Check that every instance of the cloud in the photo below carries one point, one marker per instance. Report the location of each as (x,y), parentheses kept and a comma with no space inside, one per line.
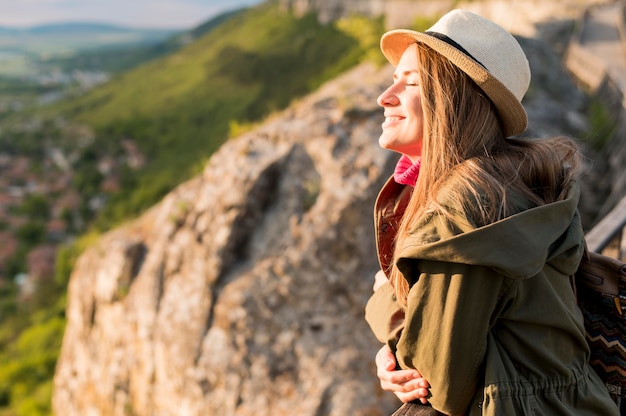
(136,13)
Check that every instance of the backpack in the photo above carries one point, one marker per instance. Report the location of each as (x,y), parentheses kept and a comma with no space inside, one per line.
(600,285)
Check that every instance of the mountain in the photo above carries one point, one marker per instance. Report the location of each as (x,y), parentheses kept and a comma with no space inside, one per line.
(121,57)
(29,53)
(127,143)
(181,108)
(83,28)
(51,38)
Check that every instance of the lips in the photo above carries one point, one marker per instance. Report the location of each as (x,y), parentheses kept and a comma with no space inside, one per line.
(392,119)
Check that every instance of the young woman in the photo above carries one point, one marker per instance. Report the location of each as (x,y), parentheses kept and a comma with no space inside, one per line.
(478,234)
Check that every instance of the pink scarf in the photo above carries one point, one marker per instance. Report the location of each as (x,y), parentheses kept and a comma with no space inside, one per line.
(406,171)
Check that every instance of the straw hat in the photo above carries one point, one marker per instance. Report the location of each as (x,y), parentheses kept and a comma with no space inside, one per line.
(483,50)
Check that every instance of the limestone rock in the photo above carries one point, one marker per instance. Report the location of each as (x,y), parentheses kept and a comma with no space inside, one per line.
(243,291)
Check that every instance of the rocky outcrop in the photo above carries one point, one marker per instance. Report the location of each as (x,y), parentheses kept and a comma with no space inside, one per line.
(519,17)
(243,291)
(595,57)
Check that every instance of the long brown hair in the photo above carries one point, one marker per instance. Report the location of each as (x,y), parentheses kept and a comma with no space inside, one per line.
(463,144)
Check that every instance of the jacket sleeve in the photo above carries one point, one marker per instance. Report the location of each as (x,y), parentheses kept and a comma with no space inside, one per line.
(450,310)
(384,315)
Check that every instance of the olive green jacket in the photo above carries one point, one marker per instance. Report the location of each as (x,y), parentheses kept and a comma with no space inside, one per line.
(491,319)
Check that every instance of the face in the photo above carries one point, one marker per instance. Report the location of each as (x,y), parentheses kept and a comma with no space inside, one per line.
(403,128)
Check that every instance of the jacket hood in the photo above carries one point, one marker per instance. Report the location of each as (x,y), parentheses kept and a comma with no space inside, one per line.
(518,246)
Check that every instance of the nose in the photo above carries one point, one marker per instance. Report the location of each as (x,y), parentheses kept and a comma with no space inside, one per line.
(388,98)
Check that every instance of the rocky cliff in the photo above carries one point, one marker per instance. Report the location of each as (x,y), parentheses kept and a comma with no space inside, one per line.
(519,16)
(242,292)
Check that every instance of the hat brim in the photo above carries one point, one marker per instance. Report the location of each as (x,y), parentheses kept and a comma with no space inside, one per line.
(512,114)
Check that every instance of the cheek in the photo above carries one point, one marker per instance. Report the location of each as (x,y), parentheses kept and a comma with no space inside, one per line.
(417,117)
(417,120)
(415,108)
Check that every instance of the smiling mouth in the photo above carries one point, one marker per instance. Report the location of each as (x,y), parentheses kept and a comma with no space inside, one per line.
(389,120)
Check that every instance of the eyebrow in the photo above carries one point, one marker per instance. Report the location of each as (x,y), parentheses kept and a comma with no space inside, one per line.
(405,73)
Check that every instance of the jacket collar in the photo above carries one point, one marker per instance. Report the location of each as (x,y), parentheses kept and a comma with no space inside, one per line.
(518,246)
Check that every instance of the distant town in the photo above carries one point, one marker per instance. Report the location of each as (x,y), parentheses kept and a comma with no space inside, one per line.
(44,202)
(52,180)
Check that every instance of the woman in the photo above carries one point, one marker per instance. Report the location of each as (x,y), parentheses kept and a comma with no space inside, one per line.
(478,234)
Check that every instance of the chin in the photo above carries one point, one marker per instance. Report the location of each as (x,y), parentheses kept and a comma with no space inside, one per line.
(385,143)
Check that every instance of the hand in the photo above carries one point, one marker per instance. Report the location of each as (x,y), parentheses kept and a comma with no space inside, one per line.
(407,385)
(379,279)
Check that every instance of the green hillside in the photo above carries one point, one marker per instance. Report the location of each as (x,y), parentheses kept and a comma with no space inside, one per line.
(118,58)
(178,110)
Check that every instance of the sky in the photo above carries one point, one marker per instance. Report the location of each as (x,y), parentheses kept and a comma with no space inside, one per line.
(170,14)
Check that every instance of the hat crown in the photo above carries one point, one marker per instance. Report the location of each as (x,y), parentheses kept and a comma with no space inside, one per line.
(489,44)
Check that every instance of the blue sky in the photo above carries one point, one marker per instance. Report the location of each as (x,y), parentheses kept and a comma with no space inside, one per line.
(137,13)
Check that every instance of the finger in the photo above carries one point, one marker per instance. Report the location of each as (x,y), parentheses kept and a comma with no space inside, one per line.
(385,359)
(419,394)
(400,377)
(379,279)
(404,386)
(384,352)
